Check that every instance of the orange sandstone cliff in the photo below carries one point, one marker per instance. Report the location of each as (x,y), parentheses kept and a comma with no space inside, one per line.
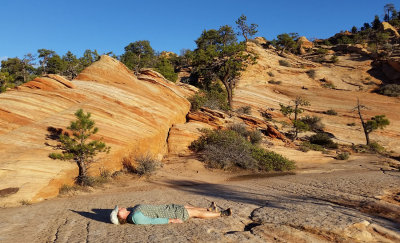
(133,115)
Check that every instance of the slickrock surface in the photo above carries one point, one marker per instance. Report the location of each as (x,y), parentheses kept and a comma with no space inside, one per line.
(325,206)
(133,116)
(351,78)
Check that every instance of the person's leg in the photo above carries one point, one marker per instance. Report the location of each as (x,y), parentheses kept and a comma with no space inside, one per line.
(196,208)
(201,213)
(213,207)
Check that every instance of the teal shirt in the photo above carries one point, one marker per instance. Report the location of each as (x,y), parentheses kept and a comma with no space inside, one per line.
(157,214)
(139,218)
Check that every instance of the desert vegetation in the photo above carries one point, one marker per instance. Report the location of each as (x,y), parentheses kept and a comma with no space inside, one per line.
(376,122)
(237,147)
(77,148)
(296,109)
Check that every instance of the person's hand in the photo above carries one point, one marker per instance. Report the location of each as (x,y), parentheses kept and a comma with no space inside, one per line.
(175,221)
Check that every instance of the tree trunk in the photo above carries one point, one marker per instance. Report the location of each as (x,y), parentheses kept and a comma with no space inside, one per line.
(296,130)
(82,173)
(229,89)
(362,122)
(245,36)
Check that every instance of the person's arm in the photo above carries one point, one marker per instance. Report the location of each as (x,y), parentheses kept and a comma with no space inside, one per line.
(140,218)
(175,221)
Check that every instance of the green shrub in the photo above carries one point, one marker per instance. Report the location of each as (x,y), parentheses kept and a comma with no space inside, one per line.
(212,99)
(329,85)
(275,82)
(313,122)
(215,97)
(197,101)
(352,124)
(244,110)
(330,112)
(307,146)
(147,165)
(323,139)
(284,63)
(239,128)
(227,149)
(271,74)
(343,156)
(255,137)
(373,147)
(322,51)
(311,73)
(334,59)
(165,67)
(300,126)
(376,147)
(392,90)
(224,149)
(269,160)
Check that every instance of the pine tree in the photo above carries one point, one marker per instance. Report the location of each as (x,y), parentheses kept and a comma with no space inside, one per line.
(244,29)
(77,148)
(371,125)
(220,57)
(376,24)
(298,125)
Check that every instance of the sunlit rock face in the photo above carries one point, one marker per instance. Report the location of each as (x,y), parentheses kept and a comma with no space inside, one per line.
(133,115)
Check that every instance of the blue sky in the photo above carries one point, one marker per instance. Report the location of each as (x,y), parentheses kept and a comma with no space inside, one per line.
(77,25)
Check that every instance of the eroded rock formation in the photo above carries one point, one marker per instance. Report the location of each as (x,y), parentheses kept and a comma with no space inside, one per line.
(133,115)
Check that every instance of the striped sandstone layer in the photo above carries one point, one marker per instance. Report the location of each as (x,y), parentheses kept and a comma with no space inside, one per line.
(133,115)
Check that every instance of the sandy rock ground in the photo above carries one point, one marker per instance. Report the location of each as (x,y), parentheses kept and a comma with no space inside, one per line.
(319,206)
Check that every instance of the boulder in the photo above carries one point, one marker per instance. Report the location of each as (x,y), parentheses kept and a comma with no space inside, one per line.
(267,129)
(304,43)
(213,118)
(182,135)
(389,28)
(394,63)
(390,71)
(260,40)
(349,48)
(167,54)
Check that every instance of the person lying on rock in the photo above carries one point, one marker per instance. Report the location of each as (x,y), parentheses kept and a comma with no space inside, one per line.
(164,214)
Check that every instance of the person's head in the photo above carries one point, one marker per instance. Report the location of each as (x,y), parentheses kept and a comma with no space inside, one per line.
(122,215)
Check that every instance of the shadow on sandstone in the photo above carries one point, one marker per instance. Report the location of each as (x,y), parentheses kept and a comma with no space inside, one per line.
(98,214)
(231,193)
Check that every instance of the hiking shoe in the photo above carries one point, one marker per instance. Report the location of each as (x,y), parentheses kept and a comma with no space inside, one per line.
(227,212)
(213,207)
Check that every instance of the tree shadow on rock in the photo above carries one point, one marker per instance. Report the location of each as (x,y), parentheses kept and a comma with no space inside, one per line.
(54,135)
(234,193)
(98,214)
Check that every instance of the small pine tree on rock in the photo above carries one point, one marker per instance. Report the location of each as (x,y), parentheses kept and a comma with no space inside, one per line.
(77,147)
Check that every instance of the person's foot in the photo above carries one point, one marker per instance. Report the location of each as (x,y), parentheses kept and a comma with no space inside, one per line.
(227,212)
(213,207)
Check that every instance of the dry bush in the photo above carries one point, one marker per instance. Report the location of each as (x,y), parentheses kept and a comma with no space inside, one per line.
(343,156)
(331,112)
(284,63)
(274,82)
(311,73)
(147,165)
(127,164)
(244,110)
